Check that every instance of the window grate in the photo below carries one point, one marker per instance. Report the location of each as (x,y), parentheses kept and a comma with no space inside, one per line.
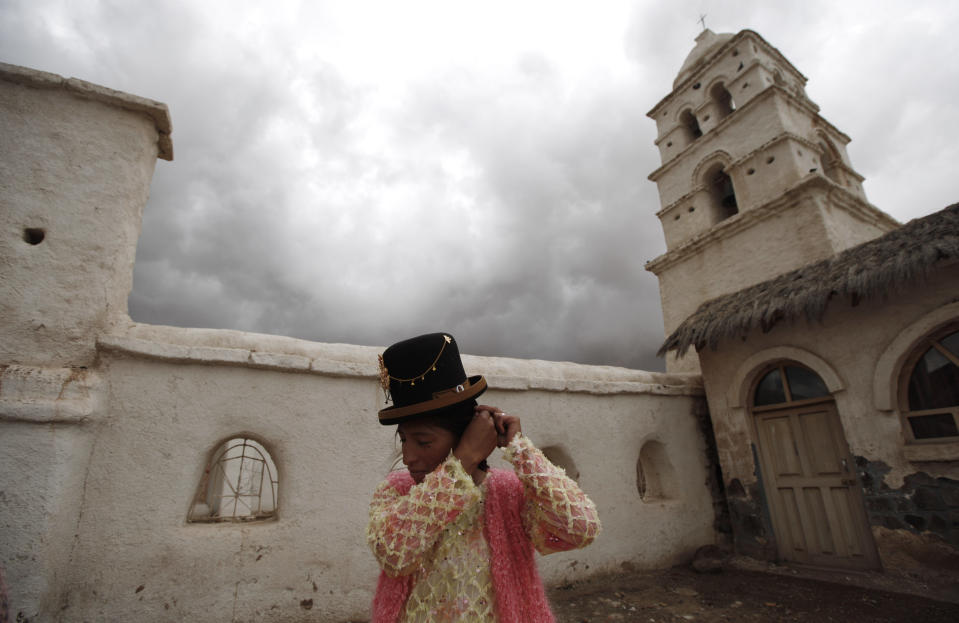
(239,484)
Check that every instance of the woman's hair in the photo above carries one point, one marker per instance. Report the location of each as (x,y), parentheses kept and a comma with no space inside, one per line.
(455,419)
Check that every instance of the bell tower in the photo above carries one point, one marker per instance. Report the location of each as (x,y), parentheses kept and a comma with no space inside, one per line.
(753,181)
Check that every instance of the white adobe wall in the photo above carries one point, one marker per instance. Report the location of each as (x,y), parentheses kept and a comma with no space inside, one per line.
(76,163)
(105,425)
(171,398)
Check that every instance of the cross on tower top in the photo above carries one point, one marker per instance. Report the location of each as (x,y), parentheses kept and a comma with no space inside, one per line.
(702,20)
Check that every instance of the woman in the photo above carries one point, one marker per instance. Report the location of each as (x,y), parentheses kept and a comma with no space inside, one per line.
(453,538)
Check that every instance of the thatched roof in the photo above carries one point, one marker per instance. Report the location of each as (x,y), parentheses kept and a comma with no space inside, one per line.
(863,272)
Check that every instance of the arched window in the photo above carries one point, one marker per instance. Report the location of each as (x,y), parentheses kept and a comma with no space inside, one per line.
(722,193)
(688,119)
(788,383)
(239,484)
(929,391)
(830,161)
(723,99)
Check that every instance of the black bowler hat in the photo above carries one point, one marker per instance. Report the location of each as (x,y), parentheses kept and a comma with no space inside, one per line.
(424,374)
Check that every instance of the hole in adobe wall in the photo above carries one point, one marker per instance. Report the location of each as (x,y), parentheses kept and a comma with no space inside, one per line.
(770,159)
(33,235)
(799,152)
(740,68)
(706,118)
(697,85)
(655,476)
(669,144)
(676,218)
(750,171)
(692,208)
(745,85)
(735,52)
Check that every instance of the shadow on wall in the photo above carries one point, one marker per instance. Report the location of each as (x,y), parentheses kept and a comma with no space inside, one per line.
(559,456)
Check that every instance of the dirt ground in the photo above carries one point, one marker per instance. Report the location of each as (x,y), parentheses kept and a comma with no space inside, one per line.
(754,591)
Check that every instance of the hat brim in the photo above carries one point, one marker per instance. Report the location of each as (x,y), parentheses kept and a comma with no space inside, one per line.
(395,415)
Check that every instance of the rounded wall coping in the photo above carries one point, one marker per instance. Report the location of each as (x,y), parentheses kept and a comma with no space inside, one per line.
(157,111)
(254,350)
(738,388)
(885,375)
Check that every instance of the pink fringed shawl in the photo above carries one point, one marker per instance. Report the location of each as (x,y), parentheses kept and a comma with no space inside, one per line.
(519,592)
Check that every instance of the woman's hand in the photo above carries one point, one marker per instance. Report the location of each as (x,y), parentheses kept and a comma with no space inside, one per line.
(477,442)
(507,426)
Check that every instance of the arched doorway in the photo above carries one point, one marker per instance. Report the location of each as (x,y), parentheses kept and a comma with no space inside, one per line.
(808,474)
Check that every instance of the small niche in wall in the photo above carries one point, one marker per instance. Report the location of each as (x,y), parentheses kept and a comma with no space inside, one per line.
(34,235)
(239,484)
(559,457)
(655,476)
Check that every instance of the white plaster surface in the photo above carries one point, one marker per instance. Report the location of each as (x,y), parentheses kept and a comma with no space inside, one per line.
(76,162)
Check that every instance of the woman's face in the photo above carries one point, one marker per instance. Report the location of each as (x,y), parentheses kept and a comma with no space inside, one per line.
(425,446)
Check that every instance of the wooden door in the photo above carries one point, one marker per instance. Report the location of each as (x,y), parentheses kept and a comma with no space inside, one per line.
(810,481)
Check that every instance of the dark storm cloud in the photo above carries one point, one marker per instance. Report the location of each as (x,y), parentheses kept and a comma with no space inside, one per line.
(503,199)
(563,229)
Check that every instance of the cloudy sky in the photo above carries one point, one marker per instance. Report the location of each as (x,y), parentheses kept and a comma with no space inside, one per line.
(362,171)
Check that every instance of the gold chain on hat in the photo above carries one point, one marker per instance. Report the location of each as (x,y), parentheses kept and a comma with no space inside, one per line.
(386,377)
